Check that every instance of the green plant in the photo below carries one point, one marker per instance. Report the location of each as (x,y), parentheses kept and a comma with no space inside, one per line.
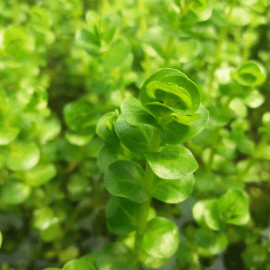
(64,64)
(150,130)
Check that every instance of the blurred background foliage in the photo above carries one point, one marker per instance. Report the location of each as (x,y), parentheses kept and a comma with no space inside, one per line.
(64,63)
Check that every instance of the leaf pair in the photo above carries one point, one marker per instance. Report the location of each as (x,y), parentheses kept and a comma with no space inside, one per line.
(173,166)
(231,208)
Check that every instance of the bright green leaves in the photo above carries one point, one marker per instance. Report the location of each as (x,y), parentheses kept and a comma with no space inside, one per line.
(80,114)
(231,208)
(135,138)
(251,73)
(105,128)
(8,135)
(181,128)
(78,264)
(81,118)
(160,242)
(117,54)
(46,221)
(122,215)
(43,218)
(22,156)
(168,91)
(40,174)
(172,162)
(14,191)
(115,256)
(210,243)
(135,114)
(125,178)
(173,191)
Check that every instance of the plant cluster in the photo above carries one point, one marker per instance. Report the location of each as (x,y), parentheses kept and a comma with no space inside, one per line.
(134,134)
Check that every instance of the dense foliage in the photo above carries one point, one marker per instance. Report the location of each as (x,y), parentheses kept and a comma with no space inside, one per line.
(134,134)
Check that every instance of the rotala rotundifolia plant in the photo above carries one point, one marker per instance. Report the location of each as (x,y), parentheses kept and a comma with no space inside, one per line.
(144,158)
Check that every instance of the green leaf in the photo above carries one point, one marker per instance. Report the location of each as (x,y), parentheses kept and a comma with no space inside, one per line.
(169,90)
(172,191)
(239,16)
(125,178)
(135,114)
(22,156)
(177,133)
(40,174)
(8,135)
(254,99)
(233,207)
(211,216)
(80,114)
(251,73)
(80,138)
(43,218)
(49,130)
(105,128)
(107,155)
(114,256)
(51,233)
(216,117)
(122,215)
(70,152)
(255,256)
(110,25)
(172,162)
(198,211)
(78,264)
(135,138)
(186,254)
(14,191)
(89,41)
(77,184)
(209,242)
(160,240)
(117,54)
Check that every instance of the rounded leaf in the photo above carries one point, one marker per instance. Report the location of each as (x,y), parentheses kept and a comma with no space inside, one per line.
(135,114)
(169,90)
(125,178)
(251,73)
(40,175)
(23,156)
(135,138)
(105,128)
(78,264)
(161,238)
(177,133)
(209,242)
(172,191)
(233,207)
(14,191)
(172,162)
(43,218)
(8,135)
(122,215)
(80,114)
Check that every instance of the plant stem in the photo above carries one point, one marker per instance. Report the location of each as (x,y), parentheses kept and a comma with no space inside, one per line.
(144,208)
